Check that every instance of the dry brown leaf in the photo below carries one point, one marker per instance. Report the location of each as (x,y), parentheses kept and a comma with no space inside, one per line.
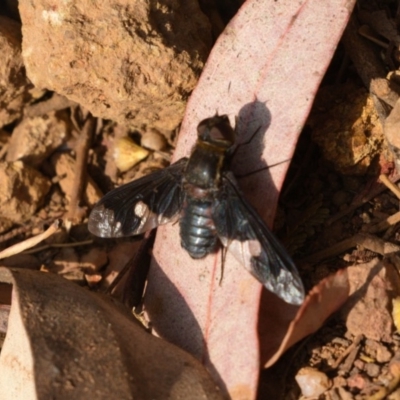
(65,342)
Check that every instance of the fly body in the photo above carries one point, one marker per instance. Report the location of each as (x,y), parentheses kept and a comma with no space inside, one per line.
(201,183)
(203,194)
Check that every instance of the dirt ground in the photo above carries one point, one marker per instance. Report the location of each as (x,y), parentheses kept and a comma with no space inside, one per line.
(57,161)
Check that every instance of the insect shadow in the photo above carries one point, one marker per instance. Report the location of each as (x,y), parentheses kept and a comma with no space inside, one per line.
(247,163)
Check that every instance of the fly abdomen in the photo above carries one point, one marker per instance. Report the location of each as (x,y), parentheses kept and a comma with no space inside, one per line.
(197,229)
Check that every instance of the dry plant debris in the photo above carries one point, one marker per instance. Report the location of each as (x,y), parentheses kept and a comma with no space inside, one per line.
(335,212)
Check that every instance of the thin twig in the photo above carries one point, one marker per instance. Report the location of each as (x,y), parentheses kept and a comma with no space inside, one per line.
(334,250)
(378,189)
(384,224)
(4,150)
(354,345)
(390,185)
(348,363)
(82,148)
(59,245)
(15,232)
(369,242)
(33,241)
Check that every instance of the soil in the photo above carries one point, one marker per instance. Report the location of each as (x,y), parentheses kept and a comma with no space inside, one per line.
(330,195)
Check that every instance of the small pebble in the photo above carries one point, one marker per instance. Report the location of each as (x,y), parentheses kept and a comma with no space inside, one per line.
(372,370)
(357,381)
(366,218)
(127,153)
(360,364)
(312,382)
(383,354)
(153,140)
(93,280)
(339,381)
(378,351)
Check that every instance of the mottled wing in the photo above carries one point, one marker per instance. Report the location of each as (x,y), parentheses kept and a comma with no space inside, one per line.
(140,205)
(246,236)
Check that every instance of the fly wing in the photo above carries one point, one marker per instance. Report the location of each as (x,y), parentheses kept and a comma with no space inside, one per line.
(246,236)
(140,205)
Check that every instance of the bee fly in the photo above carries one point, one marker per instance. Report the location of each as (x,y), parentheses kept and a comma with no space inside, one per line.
(203,194)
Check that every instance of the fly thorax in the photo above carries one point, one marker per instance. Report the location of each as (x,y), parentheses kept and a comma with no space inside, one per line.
(204,167)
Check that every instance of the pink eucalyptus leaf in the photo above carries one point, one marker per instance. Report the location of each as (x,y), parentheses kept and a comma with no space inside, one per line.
(265,68)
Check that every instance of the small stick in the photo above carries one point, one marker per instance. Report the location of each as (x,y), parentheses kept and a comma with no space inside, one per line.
(390,185)
(365,199)
(4,150)
(33,241)
(14,232)
(334,250)
(369,242)
(350,354)
(368,33)
(384,224)
(82,149)
(353,346)
(58,245)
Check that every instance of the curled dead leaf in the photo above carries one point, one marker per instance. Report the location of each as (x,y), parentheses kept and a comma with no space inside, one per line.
(291,324)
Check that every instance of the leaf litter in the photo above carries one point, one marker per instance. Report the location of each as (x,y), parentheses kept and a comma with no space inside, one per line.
(356,350)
